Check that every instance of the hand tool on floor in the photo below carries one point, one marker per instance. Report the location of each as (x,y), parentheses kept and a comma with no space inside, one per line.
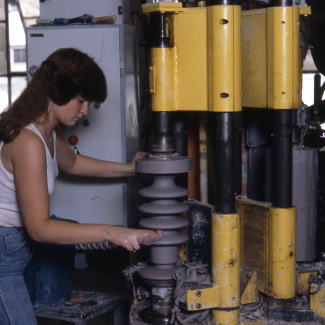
(77,300)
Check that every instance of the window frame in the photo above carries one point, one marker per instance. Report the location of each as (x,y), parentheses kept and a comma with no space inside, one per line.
(9,74)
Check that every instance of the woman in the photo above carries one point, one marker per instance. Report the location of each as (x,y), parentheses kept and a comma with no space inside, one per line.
(32,149)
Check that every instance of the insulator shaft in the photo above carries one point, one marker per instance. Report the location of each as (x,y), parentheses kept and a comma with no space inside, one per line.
(163,212)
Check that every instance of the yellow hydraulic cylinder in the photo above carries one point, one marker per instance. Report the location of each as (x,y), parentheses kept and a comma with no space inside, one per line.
(161,77)
(283,58)
(178,74)
(226,267)
(272,68)
(201,70)
(224,58)
(282,253)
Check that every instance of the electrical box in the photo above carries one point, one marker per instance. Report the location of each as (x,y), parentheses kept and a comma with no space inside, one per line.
(109,132)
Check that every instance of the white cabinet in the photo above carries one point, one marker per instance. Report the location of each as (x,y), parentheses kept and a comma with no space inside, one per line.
(110,131)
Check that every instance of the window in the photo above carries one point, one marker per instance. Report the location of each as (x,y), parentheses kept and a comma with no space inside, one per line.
(15,16)
(20,55)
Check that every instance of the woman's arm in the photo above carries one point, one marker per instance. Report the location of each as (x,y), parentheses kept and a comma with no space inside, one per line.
(29,167)
(81,165)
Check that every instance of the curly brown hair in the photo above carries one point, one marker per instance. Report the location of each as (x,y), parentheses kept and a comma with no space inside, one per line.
(65,74)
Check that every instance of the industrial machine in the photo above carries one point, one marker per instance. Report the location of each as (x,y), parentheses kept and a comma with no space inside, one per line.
(225,79)
(234,175)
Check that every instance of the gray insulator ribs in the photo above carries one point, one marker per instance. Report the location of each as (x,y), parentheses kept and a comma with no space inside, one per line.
(164,211)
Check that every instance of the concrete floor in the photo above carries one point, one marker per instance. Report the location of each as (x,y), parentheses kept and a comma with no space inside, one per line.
(103,274)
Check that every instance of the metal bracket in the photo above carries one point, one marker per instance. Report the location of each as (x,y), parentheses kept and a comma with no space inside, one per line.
(205,298)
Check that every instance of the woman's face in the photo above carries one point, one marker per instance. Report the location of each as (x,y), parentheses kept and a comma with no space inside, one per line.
(70,113)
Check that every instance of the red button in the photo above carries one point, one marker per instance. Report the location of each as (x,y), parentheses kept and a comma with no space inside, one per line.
(73,140)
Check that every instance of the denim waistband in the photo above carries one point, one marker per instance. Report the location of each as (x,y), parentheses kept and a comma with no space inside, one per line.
(12,230)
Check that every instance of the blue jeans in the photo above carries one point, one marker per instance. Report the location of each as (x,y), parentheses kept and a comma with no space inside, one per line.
(15,253)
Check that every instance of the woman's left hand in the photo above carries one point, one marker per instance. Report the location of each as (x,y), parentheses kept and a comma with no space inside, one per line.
(138,155)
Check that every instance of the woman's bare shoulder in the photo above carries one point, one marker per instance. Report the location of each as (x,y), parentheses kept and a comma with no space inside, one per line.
(27,140)
(26,145)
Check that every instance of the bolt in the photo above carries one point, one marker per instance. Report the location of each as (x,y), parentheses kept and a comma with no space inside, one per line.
(291,254)
(198,306)
(198,293)
(249,274)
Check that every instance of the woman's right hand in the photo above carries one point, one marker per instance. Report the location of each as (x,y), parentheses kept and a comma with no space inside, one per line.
(131,239)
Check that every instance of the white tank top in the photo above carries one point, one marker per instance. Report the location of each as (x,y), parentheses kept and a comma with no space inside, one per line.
(9,211)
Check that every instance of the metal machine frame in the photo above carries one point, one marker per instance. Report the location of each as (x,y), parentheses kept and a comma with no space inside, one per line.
(215,60)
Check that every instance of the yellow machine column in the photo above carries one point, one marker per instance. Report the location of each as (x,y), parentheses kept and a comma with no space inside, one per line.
(224,106)
(272,74)
(284,95)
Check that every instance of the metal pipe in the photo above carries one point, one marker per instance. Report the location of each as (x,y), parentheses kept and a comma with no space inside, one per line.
(203,157)
(158,23)
(180,139)
(193,151)
(222,126)
(180,132)
(268,175)
(201,3)
(224,100)
(163,122)
(318,93)
(238,156)
(198,247)
(282,158)
(163,141)
(244,167)
(281,3)
(227,2)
